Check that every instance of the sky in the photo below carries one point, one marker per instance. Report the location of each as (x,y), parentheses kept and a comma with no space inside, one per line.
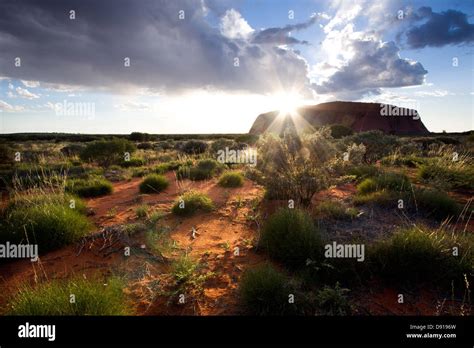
(211,66)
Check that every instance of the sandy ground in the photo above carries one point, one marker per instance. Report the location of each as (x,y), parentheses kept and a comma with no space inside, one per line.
(223,245)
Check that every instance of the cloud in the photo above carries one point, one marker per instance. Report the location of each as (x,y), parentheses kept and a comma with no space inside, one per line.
(132,106)
(4,106)
(30,84)
(233,26)
(373,65)
(439,93)
(24,93)
(359,64)
(450,27)
(281,36)
(167,54)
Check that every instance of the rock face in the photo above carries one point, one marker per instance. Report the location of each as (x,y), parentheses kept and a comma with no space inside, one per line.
(359,117)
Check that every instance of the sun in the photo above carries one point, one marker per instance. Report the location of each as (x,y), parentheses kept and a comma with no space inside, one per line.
(287,103)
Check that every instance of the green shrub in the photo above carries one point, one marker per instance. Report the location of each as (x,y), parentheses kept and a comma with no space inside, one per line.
(49,225)
(263,291)
(333,300)
(386,181)
(203,170)
(290,236)
(92,187)
(140,172)
(364,171)
(183,269)
(133,162)
(40,198)
(191,202)
(145,146)
(193,147)
(407,161)
(7,154)
(231,179)
(142,211)
(107,152)
(72,149)
(417,255)
(393,181)
(153,183)
(92,297)
(450,177)
(295,166)
(377,144)
(138,136)
(339,131)
(336,210)
(382,198)
(367,186)
(436,204)
(171,165)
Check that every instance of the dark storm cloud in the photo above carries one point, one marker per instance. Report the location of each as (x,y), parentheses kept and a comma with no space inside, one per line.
(374,65)
(280,36)
(165,52)
(439,29)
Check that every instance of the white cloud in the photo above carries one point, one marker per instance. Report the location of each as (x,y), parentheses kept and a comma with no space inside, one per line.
(24,93)
(435,93)
(234,26)
(4,106)
(132,106)
(30,84)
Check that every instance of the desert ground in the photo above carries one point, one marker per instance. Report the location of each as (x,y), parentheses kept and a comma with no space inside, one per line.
(156,225)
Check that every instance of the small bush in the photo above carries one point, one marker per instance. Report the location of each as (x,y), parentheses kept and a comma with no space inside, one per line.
(364,171)
(153,183)
(203,170)
(194,147)
(447,177)
(92,187)
(407,161)
(421,255)
(145,146)
(382,198)
(367,186)
(141,211)
(107,152)
(290,236)
(231,179)
(52,298)
(140,172)
(72,149)
(40,198)
(191,202)
(377,144)
(389,181)
(339,131)
(436,203)
(50,225)
(335,210)
(333,300)
(133,162)
(263,291)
